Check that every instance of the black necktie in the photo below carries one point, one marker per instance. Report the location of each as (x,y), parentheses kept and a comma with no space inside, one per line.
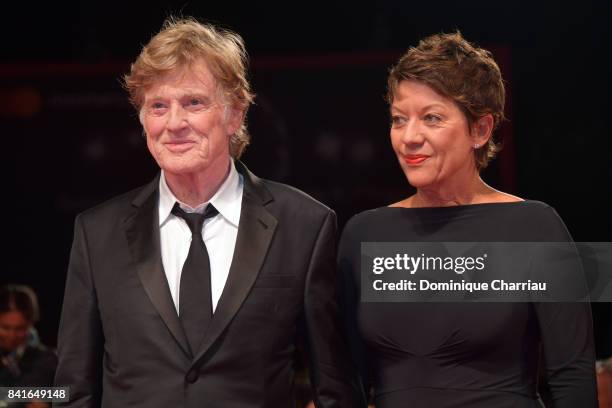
(195,299)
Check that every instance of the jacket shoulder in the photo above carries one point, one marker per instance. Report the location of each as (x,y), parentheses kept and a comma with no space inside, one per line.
(114,206)
(289,195)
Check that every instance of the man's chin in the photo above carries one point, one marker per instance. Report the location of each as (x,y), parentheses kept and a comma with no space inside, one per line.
(182,169)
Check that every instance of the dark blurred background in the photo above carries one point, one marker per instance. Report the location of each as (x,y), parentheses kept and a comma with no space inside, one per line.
(71,139)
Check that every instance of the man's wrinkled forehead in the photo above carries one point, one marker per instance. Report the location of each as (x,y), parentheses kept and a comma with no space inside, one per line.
(194,73)
(192,78)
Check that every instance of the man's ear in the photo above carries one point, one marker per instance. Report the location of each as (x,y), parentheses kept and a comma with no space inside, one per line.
(234,115)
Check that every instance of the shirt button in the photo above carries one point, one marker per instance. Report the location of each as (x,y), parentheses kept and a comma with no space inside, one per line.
(192,376)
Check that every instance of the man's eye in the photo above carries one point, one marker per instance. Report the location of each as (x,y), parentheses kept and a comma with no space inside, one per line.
(196,104)
(156,108)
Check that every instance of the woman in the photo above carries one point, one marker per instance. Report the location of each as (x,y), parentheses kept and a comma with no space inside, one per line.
(24,362)
(446,97)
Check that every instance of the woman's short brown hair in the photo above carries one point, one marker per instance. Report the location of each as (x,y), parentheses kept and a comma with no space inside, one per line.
(460,71)
(184,41)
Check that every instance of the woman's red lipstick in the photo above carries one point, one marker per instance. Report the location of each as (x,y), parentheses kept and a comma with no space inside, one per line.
(415,159)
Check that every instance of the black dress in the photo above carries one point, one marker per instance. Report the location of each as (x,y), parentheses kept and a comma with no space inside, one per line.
(466,354)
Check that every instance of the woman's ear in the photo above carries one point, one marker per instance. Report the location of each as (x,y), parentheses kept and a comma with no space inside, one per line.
(482,129)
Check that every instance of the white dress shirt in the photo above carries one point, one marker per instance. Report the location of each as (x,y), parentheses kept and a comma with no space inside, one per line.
(219,234)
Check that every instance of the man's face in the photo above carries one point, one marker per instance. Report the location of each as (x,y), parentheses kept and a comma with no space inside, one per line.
(187,123)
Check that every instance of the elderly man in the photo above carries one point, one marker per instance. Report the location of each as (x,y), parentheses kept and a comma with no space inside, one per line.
(188,292)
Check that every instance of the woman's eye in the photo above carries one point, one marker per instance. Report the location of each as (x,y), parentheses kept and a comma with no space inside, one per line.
(429,118)
(397,121)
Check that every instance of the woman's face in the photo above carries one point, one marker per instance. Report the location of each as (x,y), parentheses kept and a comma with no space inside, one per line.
(431,138)
(13,330)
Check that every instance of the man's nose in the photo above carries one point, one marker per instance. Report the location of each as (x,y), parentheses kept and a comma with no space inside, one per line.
(177,118)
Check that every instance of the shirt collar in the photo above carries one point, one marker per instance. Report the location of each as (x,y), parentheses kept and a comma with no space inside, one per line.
(227,199)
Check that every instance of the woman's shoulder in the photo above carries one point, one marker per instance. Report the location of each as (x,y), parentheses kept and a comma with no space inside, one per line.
(537,218)
(545,217)
(531,208)
(367,218)
(502,197)
(526,207)
(366,226)
(527,211)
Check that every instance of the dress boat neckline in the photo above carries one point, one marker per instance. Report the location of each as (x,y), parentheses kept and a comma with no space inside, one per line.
(464,206)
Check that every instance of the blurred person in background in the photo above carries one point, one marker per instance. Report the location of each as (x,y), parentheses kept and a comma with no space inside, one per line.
(24,361)
(604,383)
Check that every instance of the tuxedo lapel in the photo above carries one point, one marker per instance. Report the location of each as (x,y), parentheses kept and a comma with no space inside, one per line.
(255,231)
(142,232)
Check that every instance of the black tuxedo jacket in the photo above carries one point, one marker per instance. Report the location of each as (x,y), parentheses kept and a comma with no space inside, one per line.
(121,343)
